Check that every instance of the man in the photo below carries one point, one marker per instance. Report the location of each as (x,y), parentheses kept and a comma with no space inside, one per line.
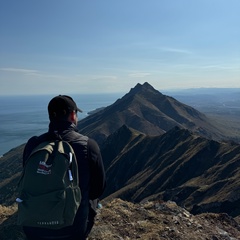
(62,112)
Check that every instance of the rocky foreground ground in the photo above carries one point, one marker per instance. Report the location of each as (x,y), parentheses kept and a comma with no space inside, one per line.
(118,219)
(160,220)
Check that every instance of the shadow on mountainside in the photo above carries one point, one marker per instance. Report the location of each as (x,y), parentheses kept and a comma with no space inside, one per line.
(119,219)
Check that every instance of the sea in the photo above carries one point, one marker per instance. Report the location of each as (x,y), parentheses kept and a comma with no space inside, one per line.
(22,117)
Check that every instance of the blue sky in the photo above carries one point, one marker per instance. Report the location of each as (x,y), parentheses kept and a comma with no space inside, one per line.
(98,46)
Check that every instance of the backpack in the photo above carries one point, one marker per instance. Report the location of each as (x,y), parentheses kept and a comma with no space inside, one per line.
(49,189)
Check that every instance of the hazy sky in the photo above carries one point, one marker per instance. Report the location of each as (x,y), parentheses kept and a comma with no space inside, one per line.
(90,46)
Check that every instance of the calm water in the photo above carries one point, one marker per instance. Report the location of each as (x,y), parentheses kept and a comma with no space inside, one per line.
(24,116)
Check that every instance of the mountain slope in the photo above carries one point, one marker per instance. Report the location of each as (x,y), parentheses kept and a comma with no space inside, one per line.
(10,171)
(148,111)
(198,173)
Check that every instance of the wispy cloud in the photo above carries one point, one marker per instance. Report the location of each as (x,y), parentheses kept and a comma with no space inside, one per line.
(175,50)
(139,74)
(32,72)
(221,67)
(21,70)
(103,77)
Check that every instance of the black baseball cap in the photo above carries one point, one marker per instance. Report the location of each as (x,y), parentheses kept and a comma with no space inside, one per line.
(61,105)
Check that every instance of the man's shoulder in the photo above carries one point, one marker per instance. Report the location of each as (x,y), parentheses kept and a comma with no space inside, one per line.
(74,136)
(78,137)
(76,140)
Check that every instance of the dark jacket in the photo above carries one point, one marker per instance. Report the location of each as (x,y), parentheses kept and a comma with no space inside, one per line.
(91,175)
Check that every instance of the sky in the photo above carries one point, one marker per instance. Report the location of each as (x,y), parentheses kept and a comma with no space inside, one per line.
(108,46)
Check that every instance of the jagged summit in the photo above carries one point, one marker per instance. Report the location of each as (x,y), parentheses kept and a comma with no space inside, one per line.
(142,88)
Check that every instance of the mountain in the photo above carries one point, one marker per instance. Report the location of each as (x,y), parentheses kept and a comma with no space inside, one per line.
(197,173)
(147,110)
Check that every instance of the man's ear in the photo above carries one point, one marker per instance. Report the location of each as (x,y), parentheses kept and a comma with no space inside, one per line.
(72,116)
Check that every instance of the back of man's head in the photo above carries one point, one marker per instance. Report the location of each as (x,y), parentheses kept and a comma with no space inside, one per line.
(60,107)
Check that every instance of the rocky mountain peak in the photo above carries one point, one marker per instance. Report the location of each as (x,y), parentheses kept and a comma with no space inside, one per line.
(145,91)
(142,88)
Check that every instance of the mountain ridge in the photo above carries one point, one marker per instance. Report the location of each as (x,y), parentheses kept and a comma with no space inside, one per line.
(181,166)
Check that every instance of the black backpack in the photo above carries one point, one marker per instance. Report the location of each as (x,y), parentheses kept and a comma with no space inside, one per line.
(49,193)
